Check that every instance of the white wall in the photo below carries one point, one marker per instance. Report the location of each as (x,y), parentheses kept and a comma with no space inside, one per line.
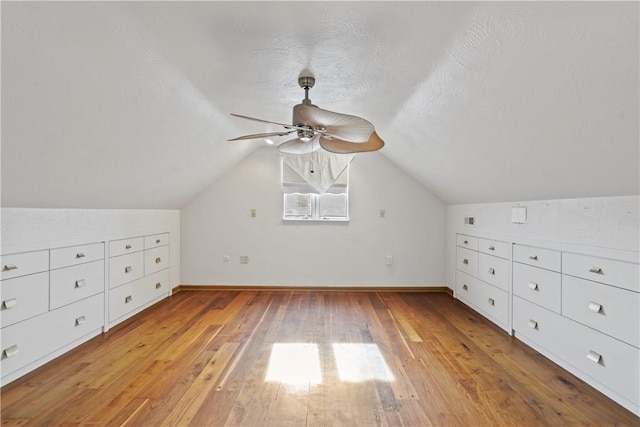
(603,225)
(218,223)
(31,229)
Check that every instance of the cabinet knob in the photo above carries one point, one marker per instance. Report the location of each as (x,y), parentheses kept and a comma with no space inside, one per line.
(158,285)
(465,261)
(465,287)
(533,286)
(466,242)
(80,283)
(127,247)
(10,303)
(80,320)
(533,324)
(128,269)
(595,307)
(491,301)
(594,357)
(596,270)
(158,240)
(533,257)
(10,351)
(8,267)
(492,271)
(80,255)
(158,260)
(127,299)
(492,248)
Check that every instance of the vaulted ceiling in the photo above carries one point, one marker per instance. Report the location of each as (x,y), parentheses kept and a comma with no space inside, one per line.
(126,104)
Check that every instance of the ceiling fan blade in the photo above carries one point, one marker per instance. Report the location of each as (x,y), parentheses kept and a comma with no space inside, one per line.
(261,135)
(286,126)
(298,146)
(341,126)
(346,147)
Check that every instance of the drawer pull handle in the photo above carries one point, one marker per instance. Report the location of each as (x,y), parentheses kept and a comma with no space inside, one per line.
(533,324)
(492,271)
(465,287)
(127,299)
(127,247)
(128,269)
(596,270)
(492,301)
(80,283)
(158,240)
(158,285)
(10,303)
(534,257)
(10,267)
(533,286)
(595,307)
(80,255)
(465,261)
(158,260)
(594,357)
(492,248)
(10,351)
(80,320)
(466,242)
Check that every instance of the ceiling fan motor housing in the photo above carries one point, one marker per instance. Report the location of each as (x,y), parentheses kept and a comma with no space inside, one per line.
(307,133)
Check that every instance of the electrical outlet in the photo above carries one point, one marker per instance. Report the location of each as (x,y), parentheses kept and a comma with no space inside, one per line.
(244,259)
(470,220)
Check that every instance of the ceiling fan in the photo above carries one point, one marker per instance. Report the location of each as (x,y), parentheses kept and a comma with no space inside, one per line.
(317,128)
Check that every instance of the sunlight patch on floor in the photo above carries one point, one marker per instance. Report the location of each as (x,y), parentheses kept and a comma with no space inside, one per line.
(359,362)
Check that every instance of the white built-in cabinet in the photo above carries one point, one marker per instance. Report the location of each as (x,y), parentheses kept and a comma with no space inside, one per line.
(580,310)
(54,299)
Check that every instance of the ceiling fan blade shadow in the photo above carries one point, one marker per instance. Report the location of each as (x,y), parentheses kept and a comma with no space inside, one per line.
(346,147)
(337,125)
(261,135)
(298,146)
(286,126)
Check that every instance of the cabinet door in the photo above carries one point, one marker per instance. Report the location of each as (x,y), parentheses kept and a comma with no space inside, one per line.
(74,255)
(467,261)
(125,268)
(537,285)
(156,259)
(16,265)
(494,271)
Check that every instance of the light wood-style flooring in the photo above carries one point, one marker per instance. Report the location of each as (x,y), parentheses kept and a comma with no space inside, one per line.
(298,358)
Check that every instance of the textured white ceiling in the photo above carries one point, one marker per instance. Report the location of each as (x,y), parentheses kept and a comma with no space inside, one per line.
(125,105)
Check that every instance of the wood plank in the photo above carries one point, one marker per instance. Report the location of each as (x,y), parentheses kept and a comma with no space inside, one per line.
(202,357)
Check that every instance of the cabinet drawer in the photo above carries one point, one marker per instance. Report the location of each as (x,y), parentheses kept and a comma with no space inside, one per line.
(16,265)
(75,283)
(131,296)
(125,246)
(607,360)
(538,286)
(26,342)
(125,268)
(494,270)
(489,300)
(539,325)
(612,272)
(467,242)
(24,297)
(611,310)
(156,259)
(539,257)
(492,247)
(158,283)
(467,261)
(156,240)
(65,257)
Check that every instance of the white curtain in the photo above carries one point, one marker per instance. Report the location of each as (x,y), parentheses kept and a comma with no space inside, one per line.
(320,168)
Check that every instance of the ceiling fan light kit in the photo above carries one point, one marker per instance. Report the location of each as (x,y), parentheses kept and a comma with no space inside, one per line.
(321,129)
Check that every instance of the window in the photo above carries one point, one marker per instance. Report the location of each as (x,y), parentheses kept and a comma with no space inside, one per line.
(303,202)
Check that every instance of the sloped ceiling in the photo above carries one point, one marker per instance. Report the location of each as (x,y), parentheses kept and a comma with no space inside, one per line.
(125,104)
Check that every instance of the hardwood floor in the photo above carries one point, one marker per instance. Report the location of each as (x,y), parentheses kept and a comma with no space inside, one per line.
(317,358)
